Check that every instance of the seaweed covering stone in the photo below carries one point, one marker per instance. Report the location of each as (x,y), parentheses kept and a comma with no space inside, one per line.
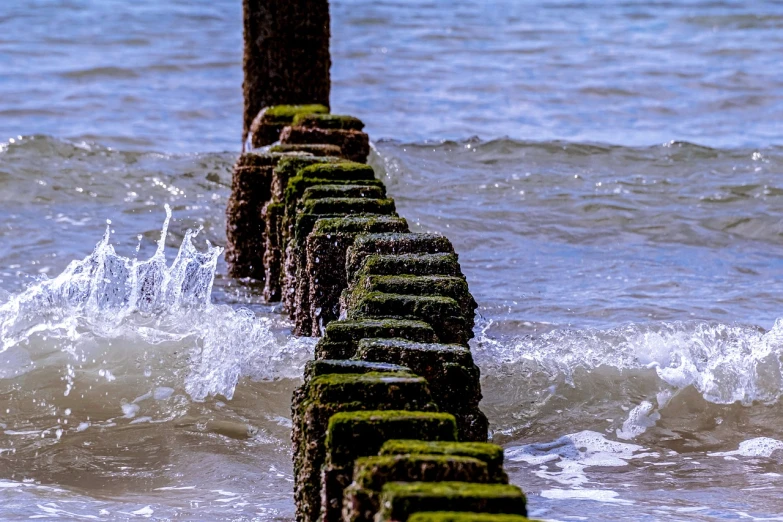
(408,264)
(399,500)
(361,500)
(355,145)
(342,338)
(314,149)
(328,121)
(361,434)
(492,454)
(325,250)
(324,395)
(463,516)
(266,127)
(453,378)
(442,313)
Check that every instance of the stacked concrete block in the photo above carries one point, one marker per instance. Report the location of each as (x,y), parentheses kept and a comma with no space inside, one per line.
(361,434)
(450,372)
(361,500)
(320,150)
(327,246)
(341,338)
(490,454)
(399,500)
(463,516)
(387,422)
(342,131)
(366,387)
(267,125)
(251,186)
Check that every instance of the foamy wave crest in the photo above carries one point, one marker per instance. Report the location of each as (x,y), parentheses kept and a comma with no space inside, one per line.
(725,363)
(110,316)
(637,375)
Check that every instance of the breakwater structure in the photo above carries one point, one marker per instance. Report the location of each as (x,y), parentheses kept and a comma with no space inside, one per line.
(386,425)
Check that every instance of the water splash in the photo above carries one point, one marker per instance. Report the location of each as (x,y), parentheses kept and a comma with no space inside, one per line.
(636,371)
(725,363)
(121,318)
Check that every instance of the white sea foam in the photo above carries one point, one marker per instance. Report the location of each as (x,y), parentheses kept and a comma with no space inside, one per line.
(565,459)
(598,495)
(758,447)
(724,363)
(106,312)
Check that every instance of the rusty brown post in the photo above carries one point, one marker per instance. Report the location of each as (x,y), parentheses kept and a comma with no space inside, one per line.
(286,56)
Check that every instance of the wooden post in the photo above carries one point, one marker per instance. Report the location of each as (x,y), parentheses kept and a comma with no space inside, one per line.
(286,57)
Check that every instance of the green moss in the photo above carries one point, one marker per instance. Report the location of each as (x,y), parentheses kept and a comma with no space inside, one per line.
(420,243)
(298,184)
(425,355)
(374,304)
(442,313)
(328,121)
(360,434)
(373,387)
(409,264)
(342,337)
(259,159)
(348,206)
(384,328)
(274,208)
(316,149)
(431,285)
(345,170)
(291,165)
(395,243)
(286,113)
(374,472)
(399,500)
(492,454)
(343,191)
(332,366)
(356,225)
(463,516)
(306,221)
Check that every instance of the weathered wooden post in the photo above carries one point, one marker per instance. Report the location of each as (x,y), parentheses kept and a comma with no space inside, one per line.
(286,57)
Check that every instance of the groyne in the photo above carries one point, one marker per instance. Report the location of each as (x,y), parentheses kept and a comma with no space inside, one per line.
(386,425)
(387,422)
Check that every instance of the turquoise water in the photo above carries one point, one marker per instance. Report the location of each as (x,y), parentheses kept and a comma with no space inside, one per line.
(608,171)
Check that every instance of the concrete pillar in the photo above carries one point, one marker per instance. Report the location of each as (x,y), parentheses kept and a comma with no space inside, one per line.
(286,56)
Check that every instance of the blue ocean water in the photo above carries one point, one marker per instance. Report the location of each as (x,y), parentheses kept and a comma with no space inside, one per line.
(610,173)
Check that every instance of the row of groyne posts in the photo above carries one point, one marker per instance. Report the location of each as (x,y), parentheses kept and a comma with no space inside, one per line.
(386,425)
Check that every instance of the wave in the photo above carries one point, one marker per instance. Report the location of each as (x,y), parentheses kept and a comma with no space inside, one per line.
(637,374)
(113,338)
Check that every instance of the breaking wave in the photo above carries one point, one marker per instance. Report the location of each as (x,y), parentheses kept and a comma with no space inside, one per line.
(110,327)
(637,369)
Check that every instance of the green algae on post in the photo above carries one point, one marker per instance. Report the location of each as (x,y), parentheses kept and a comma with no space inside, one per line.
(344,191)
(328,121)
(354,144)
(409,264)
(465,516)
(492,454)
(374,472)
(361,500)
(442,313)
(399,500)
(319,150)
(288,113)
(322,396)
(341,338)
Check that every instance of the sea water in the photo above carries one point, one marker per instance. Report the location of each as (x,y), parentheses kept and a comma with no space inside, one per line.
(609,173)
